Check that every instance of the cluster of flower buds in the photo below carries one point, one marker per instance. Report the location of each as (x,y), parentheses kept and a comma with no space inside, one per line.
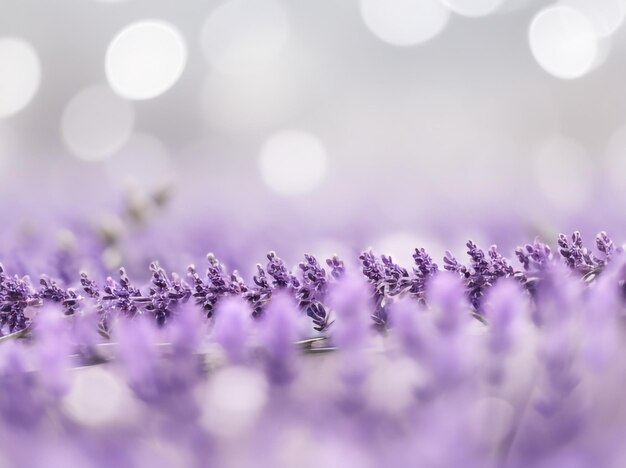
(308,284)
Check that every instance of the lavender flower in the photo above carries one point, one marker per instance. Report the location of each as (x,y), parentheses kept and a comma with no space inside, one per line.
(320,316)
(282,277)
(16,294)
(388,280)
(577,256)
(605,245)
(69,299)
(312,287)
(312,290)
(122,295)
(165,294)
(279,330)
(534,257)
(21,405)
(423,270)
(217,285)
(337,267)
(233,327)
(482,272)
(260,294)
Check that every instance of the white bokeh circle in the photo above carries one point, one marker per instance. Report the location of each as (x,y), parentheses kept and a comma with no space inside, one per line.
(606,16)
(97,397)
(145,59)
(404,22)
(293,162)
(96,123)
(563,42)
(233,400)
(244,34)
(20,75)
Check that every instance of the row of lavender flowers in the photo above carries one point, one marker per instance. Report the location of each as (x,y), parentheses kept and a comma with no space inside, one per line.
(540,386)
(309,286)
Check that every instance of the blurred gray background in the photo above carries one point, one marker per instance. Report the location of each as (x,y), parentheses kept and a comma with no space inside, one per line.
(374,122)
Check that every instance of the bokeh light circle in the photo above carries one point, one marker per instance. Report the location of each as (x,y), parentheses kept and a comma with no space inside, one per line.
(243,34)
(404,22)
(233,400)
(97,397)
(563,42)
(20,75)
(606,16)
(145,59)
(293,162)
(96,123)
(473,8)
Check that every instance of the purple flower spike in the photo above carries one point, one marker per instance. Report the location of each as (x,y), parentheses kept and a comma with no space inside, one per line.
(603,307)
(186,330)
(312,288)
(534,257)
(372,268)
(405,320)
(397,279)
(337,267)
(21,405)
(374,271)
(121,296)
(16,294)
(164,294)
(89,286)
(320,317)
(162,381)
(218,284)
(504,305)
(445,295)
(312,291)
(607,248)
(351,301)
(279,328)
(69,299)
(260,294)
(53,350)
(483,271)
(137,352)
(282,277)
(424,269)
(576,256)
(388,280)
(233,324)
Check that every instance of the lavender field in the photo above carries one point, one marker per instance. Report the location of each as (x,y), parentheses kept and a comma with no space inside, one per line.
(272,233)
